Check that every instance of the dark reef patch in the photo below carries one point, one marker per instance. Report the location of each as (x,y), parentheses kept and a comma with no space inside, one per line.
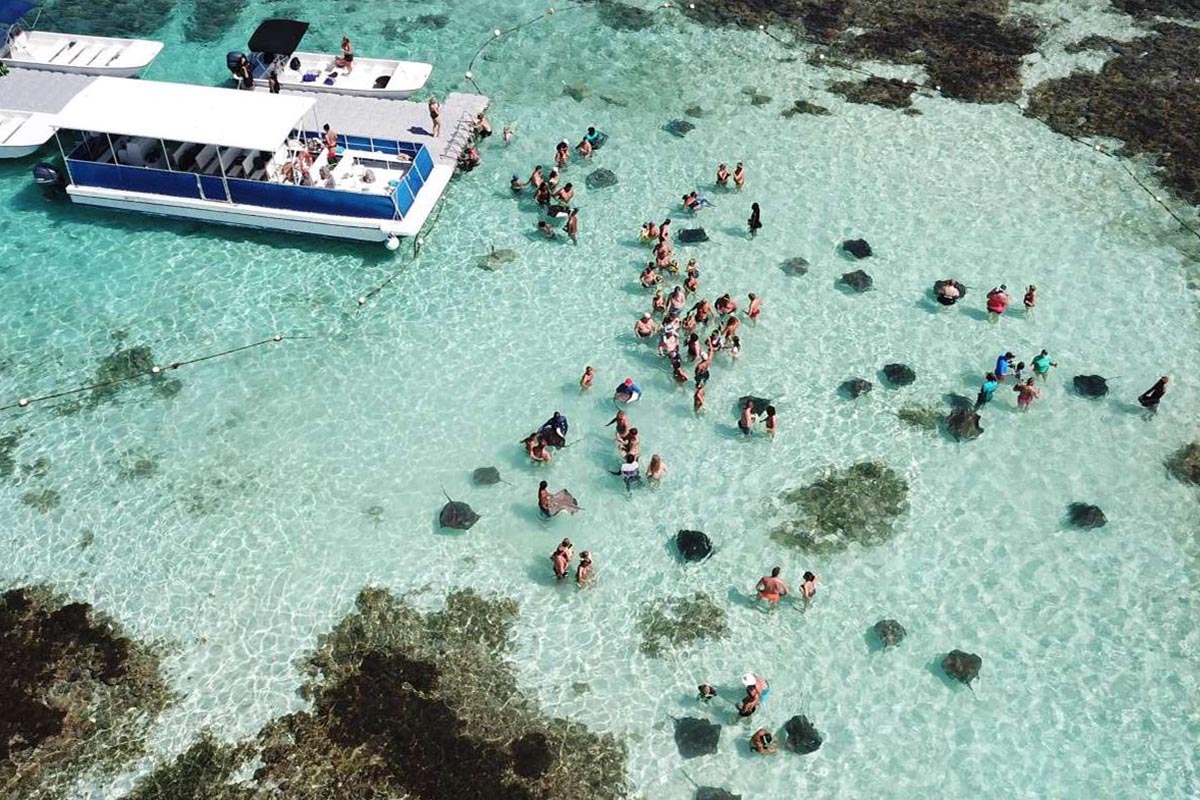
(1147,97)
(407,704)
(622,16)
(804,107)
(210,19)
(885,92)
(77,695)
(1184,464)
(674,622)
(853,505)
(108,18)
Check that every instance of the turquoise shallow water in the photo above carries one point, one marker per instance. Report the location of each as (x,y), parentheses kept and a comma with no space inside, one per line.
(256,529)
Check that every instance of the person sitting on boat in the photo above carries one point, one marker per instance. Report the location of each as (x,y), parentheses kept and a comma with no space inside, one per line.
(483,128)
(273,81)
(327,179)
(346,59)
(241,71)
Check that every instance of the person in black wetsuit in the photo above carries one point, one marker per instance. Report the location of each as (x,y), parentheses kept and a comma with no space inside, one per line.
(1150,398)
(755,222)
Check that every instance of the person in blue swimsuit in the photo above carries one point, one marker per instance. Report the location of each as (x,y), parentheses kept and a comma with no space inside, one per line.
(1003,365)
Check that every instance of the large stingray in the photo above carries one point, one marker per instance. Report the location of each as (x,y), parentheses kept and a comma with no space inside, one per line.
(456,515)
(486,476)
(496,259)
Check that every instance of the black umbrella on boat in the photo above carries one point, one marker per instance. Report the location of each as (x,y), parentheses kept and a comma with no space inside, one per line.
(279,37)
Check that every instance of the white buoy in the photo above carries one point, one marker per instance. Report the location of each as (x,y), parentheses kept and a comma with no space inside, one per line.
(420,241)
(279,337)
(496,32)
(156,369)
(469,75)
(362,301)
(393,243)
(23,402)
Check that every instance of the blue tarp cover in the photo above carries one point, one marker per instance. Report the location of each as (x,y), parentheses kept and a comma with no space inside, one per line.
(13,10)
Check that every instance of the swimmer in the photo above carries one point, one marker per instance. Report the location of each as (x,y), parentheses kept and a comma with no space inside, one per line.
(656,470)
(747,419)
(542,194)
(705,692)
(772,587)
(668,344)
(808,589)
(716,341)
(537,450)
(701,373)
(562,153)
(535,177)
(560,559)
(739,176)
(703,311)
(543,499)
(948,293)
(673,267)
(723,176)
(731,326)
(664,231)
(584,148)
(689,322)
(691,284)
(645,327)
(677,301)
(698,400)
(761,742)
(1150,398)
(553,179)
(997,302)
(1019,372)
(594,137)
(755,308)
(585,382)
(566,194)
(649,232)
(694,202)
(756,689)
(725,305)
(658,303)
(987,391)
(693,346)
(632,444)
(1026,394)
(627,392)
(772,421)
(1030,298)
(508,134)
(677,372)
(517,185)
(1003,364)
(622,423)
(583,573)
(546,231)
(755,221)
(630,472)
(1042,364)
(649,277)
(572,226)
(735,347)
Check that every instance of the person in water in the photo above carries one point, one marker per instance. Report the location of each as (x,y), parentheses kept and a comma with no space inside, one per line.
(657,469)
(1030,298)
(701,372)
(755,221)
(584,148)
(756,689)
(554,430)
(649,232)
(723,176)
(747,419)
(705,692)
(627,392)
(622,423)
(630,472)
(761,742)
(1042,364)
(772,587)
(543,499)
(536,449)
(583,572)
(698,400)
(572,226)
(1150,398)
(632,445)
(1004,363)
(948,293)
(997,302)
(739,176)
(561,558)
(771,421)
(808,589)
(987,391)
(546,231)
(1026,394)
(562,154)
(585,382)
(517,185)
(755,308)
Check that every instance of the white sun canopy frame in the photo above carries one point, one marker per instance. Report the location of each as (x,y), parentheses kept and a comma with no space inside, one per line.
(185,113)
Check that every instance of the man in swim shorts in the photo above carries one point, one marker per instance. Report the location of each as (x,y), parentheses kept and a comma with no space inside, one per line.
(747,420)
(1003,364)
(772,587)
(761,742)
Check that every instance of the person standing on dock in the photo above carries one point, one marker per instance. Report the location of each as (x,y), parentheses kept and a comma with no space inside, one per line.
(435,113)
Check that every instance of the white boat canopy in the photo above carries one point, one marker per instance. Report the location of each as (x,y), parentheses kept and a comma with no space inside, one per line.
(185,113)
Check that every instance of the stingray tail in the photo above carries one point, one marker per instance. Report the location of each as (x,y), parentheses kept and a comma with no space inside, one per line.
(448,497)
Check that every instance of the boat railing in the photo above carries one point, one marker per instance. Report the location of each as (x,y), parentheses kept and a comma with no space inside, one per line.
(87,165)
(405,189)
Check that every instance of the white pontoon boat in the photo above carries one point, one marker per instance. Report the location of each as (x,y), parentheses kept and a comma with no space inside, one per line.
(273,48)
(68,52)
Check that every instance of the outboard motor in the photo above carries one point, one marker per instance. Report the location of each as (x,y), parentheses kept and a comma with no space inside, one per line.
(232,59)
(47,176)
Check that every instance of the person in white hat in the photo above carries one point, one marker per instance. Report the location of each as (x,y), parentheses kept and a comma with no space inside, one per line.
(756,689)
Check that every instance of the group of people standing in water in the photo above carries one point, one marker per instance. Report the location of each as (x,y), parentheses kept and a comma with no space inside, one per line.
(555,200)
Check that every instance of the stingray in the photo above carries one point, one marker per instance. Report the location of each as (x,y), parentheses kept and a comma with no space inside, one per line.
(562,500)
(456,515)
(486,476)
(497,258)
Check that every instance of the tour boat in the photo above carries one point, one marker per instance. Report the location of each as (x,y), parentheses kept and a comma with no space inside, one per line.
(239,158)
(23,132)
(273,49)
(68,52)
